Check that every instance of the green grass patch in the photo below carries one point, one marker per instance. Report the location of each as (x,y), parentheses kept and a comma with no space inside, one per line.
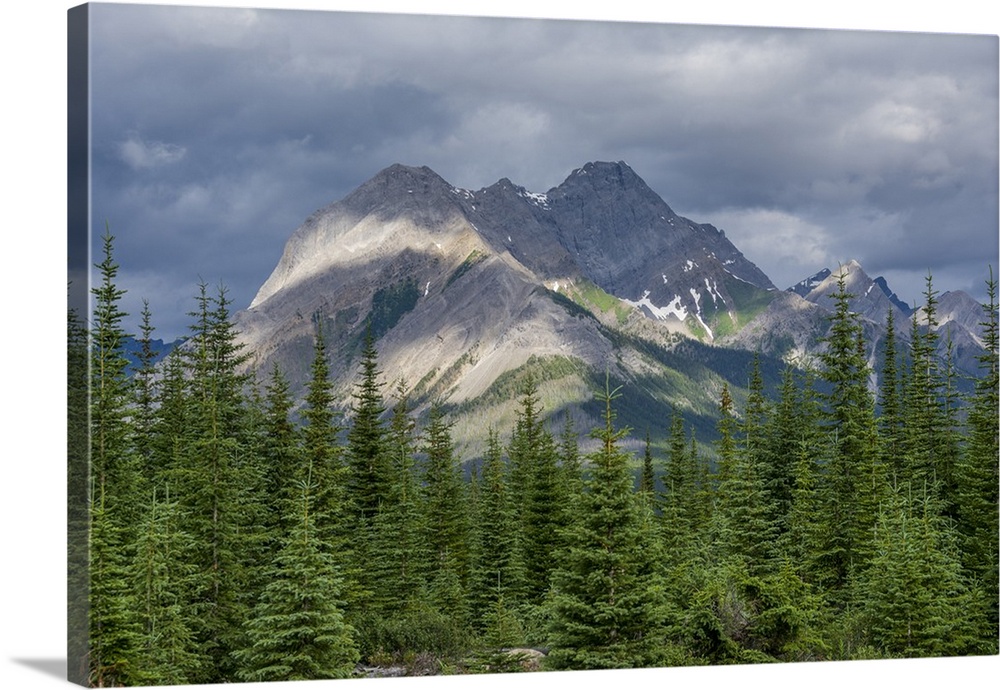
(474,257)
(508,386)
(590,296)
(749,300)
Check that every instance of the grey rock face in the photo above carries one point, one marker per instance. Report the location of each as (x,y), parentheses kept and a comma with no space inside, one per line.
(628,241)
(807,285)
(900,304)
(868,299)
(797,326)
(463,286)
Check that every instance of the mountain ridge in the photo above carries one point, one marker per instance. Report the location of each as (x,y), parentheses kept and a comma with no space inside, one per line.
(463,287)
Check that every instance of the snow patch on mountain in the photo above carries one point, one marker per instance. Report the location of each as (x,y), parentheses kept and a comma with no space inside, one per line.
(696,296)
(675,308)
(713,290)
(538,199)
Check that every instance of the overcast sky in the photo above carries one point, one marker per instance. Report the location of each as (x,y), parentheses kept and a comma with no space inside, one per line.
(32,45)
(217,131)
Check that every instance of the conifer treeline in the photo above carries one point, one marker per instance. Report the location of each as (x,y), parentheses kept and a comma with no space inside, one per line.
(227,543)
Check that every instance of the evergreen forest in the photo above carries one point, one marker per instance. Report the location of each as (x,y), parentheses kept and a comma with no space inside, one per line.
(226,535)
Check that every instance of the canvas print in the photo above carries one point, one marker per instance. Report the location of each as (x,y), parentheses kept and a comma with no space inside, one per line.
(408,345)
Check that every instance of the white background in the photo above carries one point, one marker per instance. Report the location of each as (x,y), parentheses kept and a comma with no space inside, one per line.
(33,259)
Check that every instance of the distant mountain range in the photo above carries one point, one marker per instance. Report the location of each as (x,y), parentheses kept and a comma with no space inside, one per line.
(160,349)
(467,292)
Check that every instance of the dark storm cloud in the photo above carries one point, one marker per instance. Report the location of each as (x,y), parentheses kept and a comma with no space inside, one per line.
(217,131)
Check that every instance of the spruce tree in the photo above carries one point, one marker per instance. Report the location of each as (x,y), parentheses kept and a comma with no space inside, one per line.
(368,479)
(725,473)
(281,454)
(297,629)
(680,500)
(143,377)
(916,600)
(169,653)
(746,530)
(524,445)
(114,638)
(647,478)
(608,609)
(924,412)
(783,432)
(78,497)
(212,484)
(890,401)
(446,519)
(541,519)
(398,553)
(114,483)
(853,477)
(322,456)
(803,543)
(977,474)
(498,574)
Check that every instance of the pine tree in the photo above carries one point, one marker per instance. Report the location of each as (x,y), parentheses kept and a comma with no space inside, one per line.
(608,610)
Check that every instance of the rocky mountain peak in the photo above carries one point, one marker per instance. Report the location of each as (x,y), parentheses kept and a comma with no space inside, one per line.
(868,299)
(400,189)
(883,285)
(807,285)
(609,182)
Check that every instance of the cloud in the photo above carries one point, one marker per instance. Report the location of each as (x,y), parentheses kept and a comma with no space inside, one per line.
(826,144)
(780,243)
(139,154)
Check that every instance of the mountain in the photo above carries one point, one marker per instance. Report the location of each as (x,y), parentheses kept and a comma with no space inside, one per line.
(468,291)
(807,285)
(133,350)
(794,325)
(900,304)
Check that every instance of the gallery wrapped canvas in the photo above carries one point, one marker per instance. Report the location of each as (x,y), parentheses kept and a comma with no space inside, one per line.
(415,345)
